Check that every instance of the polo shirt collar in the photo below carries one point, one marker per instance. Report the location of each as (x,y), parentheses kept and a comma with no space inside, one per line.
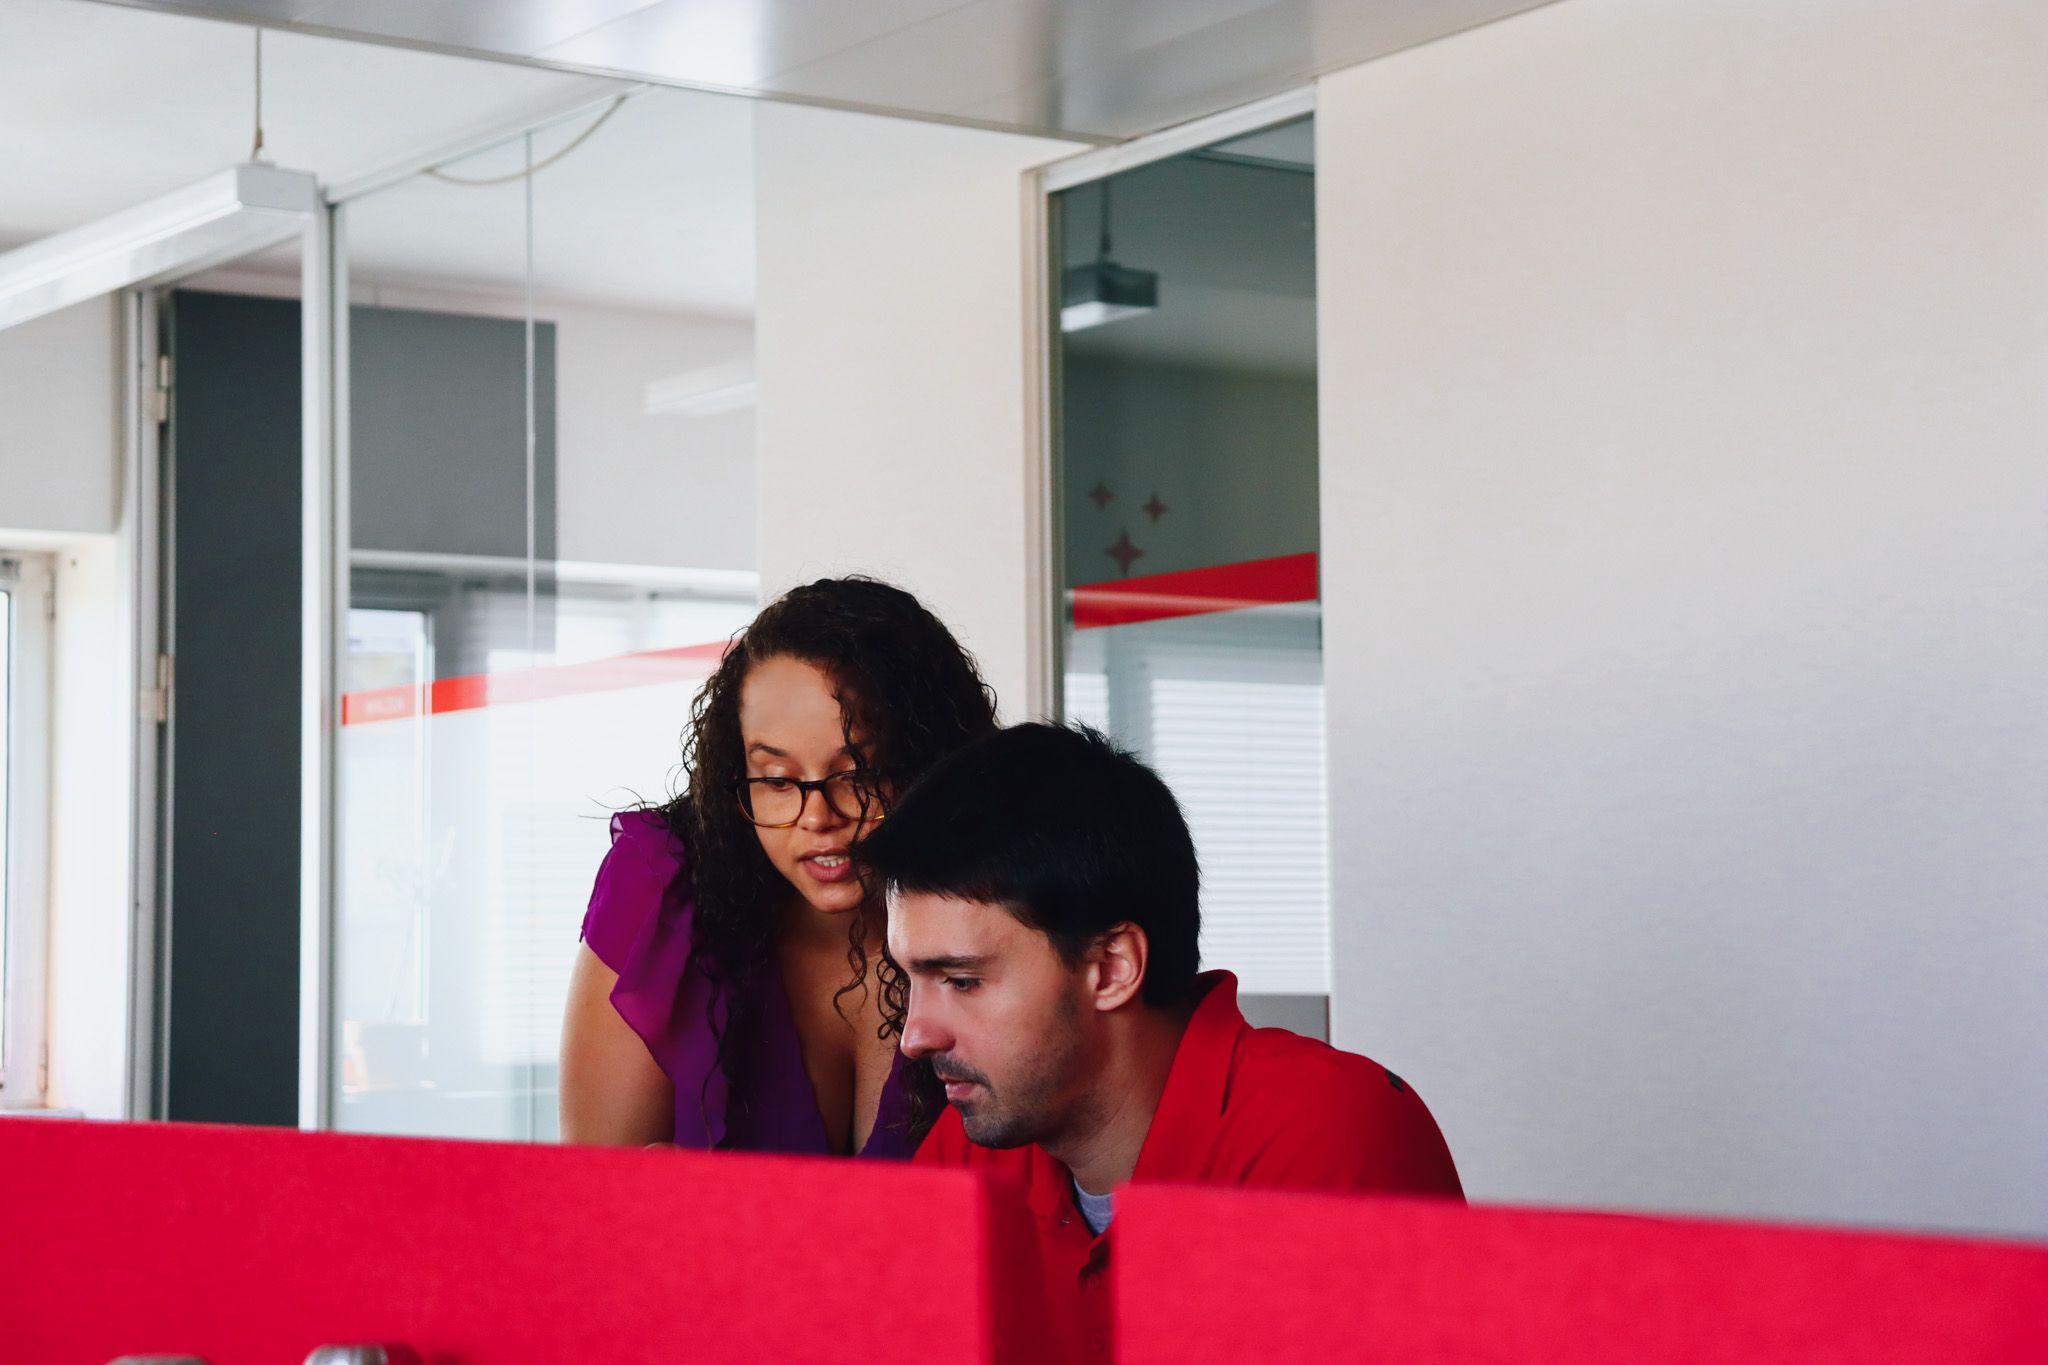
(1190,1109)
(1190,1112)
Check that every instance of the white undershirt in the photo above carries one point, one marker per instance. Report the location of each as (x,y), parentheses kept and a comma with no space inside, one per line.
(1096,1209)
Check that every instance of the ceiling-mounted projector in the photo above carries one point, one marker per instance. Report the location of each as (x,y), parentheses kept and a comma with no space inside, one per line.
(1103,291)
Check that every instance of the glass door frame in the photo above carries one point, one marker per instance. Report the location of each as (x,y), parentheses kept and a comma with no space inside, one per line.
(145,549)
(1045,569)
(326,546)
(29,579)
(323,623)
(1049,610)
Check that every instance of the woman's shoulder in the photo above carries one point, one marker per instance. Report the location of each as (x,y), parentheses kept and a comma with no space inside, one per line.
(646,834)
(640,925)
(633,887)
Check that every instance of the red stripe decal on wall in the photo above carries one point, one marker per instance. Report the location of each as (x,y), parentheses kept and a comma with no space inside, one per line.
(1194,592)
(685,663)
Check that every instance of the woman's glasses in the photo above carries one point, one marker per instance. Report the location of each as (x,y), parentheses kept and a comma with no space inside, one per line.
(778,802)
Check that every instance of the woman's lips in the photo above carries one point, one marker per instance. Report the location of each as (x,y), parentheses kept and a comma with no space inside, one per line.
(829,868)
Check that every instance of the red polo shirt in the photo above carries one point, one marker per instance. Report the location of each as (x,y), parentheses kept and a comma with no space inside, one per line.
(1258,1107)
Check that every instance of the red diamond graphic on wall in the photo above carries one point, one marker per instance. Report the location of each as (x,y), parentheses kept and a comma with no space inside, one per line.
(1124,553)
(1100,495)
(1155,509)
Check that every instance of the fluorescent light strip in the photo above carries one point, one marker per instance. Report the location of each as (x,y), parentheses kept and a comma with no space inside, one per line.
(232,213)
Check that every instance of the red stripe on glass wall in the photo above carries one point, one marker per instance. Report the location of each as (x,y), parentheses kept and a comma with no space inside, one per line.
(1194,592)
(682,664)
(1119,602)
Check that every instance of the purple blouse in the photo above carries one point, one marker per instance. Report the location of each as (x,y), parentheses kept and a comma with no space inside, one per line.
(639,926)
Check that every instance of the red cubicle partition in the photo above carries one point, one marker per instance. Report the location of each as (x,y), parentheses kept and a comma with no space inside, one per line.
(251,1247)
(1230,1275)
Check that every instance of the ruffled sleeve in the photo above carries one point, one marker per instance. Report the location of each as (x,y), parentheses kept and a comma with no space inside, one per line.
(638,924)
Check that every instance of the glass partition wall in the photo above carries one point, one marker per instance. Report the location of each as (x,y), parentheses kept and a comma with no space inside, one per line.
(550,539)
(436,500)
(1185,425)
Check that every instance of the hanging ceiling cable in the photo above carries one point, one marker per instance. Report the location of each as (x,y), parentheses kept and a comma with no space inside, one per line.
(256,147)
(534,167)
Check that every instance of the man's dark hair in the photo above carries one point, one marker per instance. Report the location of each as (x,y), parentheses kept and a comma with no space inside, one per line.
(1064,830)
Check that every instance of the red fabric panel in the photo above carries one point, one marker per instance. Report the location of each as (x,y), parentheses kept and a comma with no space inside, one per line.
(250,1247)
(1232,1275)
(1194,592)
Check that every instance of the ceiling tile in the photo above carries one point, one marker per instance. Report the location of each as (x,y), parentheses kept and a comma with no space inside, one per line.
(738,43)
(274,11)
(980,51)
(1102,68)
(939,64)
(517,27)
(1345,33)
(1124,94)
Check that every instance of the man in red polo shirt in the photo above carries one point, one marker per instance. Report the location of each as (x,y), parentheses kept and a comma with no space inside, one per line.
(1044,910)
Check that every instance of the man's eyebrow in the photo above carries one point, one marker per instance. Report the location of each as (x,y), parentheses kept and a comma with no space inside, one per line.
(948,962)
(766,749)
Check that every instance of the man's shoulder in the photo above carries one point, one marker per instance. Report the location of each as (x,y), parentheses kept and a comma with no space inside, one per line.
(1289,1073)
(1294,1096)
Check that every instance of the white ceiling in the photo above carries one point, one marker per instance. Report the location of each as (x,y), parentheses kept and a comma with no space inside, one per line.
(105,105)
(102,107)
(1106,69)
(654,210)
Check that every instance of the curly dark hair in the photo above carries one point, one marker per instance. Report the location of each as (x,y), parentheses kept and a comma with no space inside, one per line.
(914,695)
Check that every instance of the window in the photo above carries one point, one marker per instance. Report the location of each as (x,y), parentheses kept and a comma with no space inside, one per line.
(1229,710)
(25,603)
(485,742)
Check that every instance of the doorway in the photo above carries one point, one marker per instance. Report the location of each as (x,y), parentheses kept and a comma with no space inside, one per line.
(1184,493)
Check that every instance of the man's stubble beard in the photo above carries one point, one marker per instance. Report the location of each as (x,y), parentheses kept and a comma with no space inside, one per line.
(1028,1109)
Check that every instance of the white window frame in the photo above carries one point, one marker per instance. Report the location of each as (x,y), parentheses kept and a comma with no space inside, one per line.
(24,1056)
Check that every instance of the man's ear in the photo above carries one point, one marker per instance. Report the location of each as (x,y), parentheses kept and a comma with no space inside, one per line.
(1120,957)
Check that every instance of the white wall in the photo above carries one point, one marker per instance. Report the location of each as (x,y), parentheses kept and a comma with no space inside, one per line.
(890,334)
(60,490)
(92,715)
(59,407)
(1685,451)
(638,489)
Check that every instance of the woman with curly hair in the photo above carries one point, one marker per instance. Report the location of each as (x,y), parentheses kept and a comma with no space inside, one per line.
(727,993)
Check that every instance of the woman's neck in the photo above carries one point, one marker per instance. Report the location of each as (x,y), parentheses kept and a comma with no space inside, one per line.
(805,928)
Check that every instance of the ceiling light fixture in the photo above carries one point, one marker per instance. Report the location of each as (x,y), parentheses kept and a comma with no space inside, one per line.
(1103,291)
(231,213)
